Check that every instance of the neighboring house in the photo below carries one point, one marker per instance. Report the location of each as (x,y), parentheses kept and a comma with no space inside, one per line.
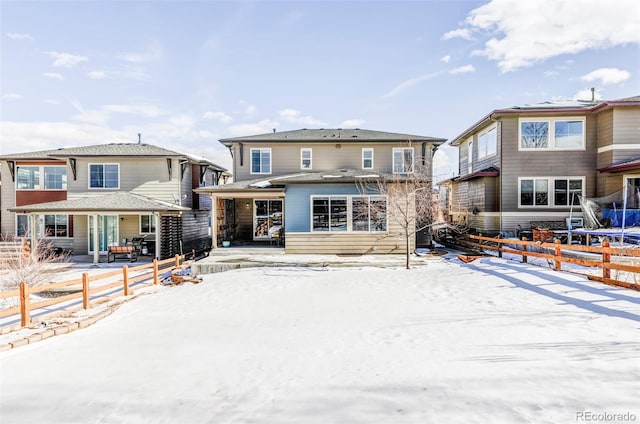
(303,185)
(118,191)
(530,163)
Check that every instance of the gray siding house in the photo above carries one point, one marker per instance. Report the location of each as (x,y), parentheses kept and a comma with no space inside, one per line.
(530,163)
(119,191)
(302,186)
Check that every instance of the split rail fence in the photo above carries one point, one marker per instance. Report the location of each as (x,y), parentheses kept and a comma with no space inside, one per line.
(26,305)
(557,254)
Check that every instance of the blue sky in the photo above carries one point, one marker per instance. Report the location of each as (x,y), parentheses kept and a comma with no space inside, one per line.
(185,74)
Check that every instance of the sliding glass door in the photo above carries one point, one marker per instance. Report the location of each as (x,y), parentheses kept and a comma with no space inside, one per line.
(107,230)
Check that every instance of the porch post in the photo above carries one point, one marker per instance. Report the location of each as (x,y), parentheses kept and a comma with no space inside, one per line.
(158,228)
(33,234)
(96,240)
(214,222)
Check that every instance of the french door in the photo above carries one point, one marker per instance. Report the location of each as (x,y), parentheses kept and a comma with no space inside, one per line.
(107,231)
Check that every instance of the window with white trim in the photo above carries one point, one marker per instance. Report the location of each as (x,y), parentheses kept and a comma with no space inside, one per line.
(104,175)
(350,213)
(367,158)
(549,191)
(306,158)
(552,133)
(261,161)
(42,177)
(23,225)
(402,160)
(147,224)
(56,226)
(487,143)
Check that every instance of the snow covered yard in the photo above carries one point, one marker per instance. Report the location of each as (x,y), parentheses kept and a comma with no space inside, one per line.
(493,341)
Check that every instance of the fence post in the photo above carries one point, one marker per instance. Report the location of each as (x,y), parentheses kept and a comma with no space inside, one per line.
(155,271)
(25,317)
(177,263)
(606,260)
(558,253)
(85,290)
(524,250)
(125,279)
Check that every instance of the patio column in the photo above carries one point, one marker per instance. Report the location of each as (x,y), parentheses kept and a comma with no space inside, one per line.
(214,222)
(33,234)
(96,240)
(157,250)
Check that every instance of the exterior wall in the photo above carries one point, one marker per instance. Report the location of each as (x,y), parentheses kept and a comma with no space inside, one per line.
(336,154)
(298,199)
(626,133)
(485,162)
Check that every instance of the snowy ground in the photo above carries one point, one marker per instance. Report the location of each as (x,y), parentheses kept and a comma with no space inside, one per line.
(493,341)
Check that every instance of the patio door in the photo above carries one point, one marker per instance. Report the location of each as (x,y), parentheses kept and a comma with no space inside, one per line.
(267,218)
(107,231)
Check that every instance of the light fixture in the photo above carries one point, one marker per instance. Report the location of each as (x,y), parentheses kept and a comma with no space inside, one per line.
(122,219)
(247,205)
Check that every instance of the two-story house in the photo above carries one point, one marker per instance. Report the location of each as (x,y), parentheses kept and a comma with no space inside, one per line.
(84,199)
(531,163)
(303,184)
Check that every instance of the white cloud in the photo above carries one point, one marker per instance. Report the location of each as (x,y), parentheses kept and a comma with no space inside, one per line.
(445,59)
(154,53)
(457,33)
(12,96)
(607,76)
(352,123)
(53,75)
(66,60)
(218,116)
(586,94)
(411,82)
(463,69)
(249,110)
(560,27)
(103,115)
(97,74)
(19,36)
(149,111)
(262,127)
(296,117)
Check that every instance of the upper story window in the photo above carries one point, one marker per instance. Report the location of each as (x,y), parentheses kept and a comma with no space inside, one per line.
(402,160)
(104,175)
(470,156)
(41,178)
(306,161)
(487,143)
(550,191)
(261,161)
(552,134)
(367,158)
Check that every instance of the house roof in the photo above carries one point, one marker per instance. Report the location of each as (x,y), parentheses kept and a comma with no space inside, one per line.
(491,171)
(110,149)
(622,166)
(117,202)
(332,135)
(564,107)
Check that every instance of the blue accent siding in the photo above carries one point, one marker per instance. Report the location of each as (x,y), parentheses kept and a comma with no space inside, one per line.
(297,214)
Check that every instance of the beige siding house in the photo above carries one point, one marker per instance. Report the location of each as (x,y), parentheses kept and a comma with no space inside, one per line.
(301,187)
(532,163)
(126,193)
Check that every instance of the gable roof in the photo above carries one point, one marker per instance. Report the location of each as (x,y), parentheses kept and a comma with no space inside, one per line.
(331,135)
(117,202)
(564,107)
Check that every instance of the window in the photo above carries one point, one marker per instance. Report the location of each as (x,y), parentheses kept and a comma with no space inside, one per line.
(56,225)
(267,218)
(147,224)
(470,157)
(367,158)
(261,161)
(41,178)
(348,213)
(306,159)
(55,178)
(552,134)
(487,143)
(536,191)
(22,226)
(104,175)
(402,160)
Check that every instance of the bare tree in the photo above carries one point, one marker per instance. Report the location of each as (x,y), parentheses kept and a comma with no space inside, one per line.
(408,193)
(18,263)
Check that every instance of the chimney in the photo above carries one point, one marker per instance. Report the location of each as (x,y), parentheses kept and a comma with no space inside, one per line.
(139,138)
(274,130)
(593,94)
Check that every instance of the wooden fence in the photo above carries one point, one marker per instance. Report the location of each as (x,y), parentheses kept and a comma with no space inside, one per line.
(149,271)
(557,254)
(15,250)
